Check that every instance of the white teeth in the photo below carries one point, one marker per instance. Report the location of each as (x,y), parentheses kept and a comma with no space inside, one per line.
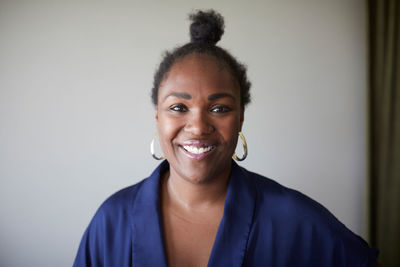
(196,150)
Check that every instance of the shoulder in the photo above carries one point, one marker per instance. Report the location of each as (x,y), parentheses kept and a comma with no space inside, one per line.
(297,225)
(282,205)
(287,203)
(109,228)
(115,210)
(122,200)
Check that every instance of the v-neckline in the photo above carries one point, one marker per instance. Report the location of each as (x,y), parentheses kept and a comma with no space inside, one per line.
(231,240)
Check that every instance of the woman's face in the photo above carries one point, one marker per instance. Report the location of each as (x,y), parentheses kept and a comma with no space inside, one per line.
(198,118)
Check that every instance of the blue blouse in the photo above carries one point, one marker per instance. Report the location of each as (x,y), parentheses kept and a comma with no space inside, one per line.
(264,224)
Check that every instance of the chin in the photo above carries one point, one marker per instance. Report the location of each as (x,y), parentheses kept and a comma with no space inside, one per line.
(203,176)
(196,177)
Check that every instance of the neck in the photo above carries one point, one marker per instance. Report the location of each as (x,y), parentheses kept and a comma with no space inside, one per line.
(196,197)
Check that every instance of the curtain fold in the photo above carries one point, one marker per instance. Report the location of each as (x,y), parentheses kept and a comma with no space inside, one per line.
(384,118)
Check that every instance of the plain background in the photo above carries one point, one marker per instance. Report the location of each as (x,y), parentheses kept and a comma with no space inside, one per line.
(76,118)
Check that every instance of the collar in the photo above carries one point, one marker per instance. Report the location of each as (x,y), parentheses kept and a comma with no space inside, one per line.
(230,243)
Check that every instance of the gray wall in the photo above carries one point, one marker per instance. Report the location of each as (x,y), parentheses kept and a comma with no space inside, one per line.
(76,118)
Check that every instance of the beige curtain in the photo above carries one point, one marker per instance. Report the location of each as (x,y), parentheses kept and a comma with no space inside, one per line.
(384,95)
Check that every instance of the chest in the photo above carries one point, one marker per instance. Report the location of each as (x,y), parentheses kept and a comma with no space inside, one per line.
(189,240)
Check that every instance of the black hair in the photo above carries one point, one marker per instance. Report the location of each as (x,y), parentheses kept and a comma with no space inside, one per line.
(205,31)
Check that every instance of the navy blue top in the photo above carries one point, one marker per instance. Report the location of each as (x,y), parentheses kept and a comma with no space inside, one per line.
(264,224)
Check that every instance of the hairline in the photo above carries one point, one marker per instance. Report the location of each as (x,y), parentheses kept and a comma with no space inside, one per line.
(221,62)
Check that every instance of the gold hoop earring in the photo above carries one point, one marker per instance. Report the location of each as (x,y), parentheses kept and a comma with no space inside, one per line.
(244,143)
(152,148)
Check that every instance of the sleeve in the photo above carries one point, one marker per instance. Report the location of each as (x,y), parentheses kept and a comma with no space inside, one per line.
(107,240)
(91,248)
(353,251)
(372,260)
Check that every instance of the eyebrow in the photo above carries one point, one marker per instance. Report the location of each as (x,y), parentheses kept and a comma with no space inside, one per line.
(220,95)
(210,97)
(180,95)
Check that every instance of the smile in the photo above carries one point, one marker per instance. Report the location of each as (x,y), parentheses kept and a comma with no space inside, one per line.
(198,150)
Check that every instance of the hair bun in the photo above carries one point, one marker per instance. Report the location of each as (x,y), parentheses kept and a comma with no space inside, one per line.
(207,27)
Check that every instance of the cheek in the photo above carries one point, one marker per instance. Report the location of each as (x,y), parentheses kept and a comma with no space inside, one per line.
(229,129)
(167,129)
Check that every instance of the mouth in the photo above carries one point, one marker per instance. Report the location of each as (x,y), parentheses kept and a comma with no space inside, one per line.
(197,150)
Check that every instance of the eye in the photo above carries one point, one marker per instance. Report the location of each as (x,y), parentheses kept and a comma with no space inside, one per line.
(178,108)
(220,109)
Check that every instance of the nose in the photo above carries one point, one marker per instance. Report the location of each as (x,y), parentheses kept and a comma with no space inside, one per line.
(199,124)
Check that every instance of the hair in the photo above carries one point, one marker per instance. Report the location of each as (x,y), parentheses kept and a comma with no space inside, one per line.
(206,30)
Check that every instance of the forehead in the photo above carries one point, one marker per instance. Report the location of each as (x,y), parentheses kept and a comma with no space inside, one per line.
(199,74)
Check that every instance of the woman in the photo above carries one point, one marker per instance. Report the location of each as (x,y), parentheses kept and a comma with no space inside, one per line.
(199,207)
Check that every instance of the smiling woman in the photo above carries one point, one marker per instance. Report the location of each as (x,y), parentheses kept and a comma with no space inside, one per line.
(199,208)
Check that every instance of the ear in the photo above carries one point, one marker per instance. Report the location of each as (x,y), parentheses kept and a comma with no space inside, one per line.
(156,113)
(241,119)
(156,116)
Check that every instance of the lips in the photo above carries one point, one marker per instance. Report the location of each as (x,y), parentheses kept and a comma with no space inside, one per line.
(196,149)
